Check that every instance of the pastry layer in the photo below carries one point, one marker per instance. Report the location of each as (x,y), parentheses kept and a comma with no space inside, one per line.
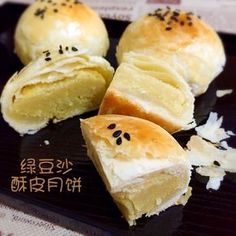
(145,87)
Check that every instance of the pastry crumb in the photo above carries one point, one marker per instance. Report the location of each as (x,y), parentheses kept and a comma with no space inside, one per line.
(46,142)
(212,129)
(209,153)
(221,93)
(184,198)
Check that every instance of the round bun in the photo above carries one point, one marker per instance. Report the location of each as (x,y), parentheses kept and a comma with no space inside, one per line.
(181,39)
(54,87)
(45,25)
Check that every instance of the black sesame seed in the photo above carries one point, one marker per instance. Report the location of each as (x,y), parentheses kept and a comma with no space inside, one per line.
(182,23)
(47,54)
(48,59)
(168,28)
(74,49)
(49,1)
(169,22)
(216,163)
(174,18)
(55,10)
(168,8)
(190,13)
(189,18)
(162,18)
(158,9)
(199,17)
(46,51)
(166,13)
(119,141)
(37,12)
(127,136)
(67,48)
(111,126)
(63,4)
(13,98)
(175,13)
(190,23)
(40,12)
(117,133)
(60,49)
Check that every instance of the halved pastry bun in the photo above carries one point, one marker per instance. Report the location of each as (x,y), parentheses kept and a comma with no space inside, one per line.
(65,86)
(181,39)
(143,167)
(47,24)
(146,87)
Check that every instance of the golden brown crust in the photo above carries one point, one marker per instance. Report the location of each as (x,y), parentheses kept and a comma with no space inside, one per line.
(114,104)
(44,26)
(179,35)
(149,32)
(144,135)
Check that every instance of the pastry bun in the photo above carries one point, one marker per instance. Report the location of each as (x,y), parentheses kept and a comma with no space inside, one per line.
(54,87)
(146,87)
(45,25)
(184,41)
(143,167)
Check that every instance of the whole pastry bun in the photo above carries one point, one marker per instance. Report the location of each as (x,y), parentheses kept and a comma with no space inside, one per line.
(47,24)
(54,87)
(184,41)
